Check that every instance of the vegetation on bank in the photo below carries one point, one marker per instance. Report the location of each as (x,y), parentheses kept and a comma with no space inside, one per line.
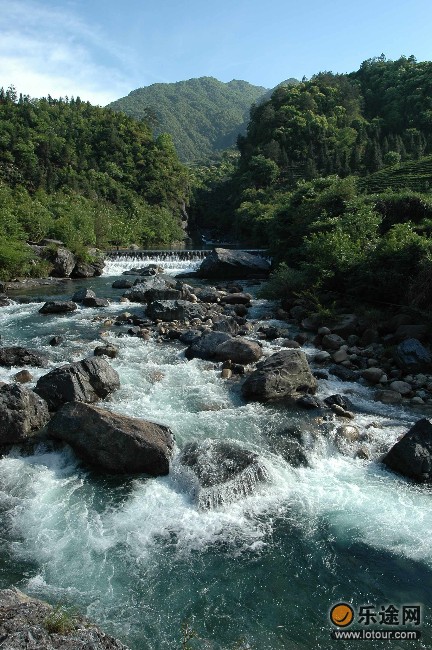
(333,175)
(84,175)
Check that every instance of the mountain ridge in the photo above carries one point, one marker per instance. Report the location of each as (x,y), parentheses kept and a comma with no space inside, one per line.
(202,114)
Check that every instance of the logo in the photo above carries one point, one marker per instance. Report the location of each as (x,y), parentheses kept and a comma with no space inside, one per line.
(372,623)
(342,614)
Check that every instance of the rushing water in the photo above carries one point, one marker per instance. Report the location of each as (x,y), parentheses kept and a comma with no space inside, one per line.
(138,557)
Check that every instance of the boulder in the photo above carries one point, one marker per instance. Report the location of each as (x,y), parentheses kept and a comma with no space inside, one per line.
(95,302)
(30,624)
(145,271)
(108,350)
(322,357)
(412,454)
(271,333)
(402,387)
(114,443)
(332,342)
(82,294)
(85,381)
(88,269)
(205,346)
(23,377)
(290,446)
(56,340)
(228,264)
(226,324)
(63,262)
(388,397)
(284,375)
(412,356)
(338,400)
(169,310)
(157,287)
(208,294)
(372,375)
(190,336)
(58,307)
(346,374)
(239,350)
(237,299)
(308,402)
(221,471)
(122,284)
(18,356)
(22,414)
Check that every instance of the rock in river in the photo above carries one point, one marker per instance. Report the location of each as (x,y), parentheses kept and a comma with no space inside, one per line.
(115,443)
(18,356)
(223,471)
(285,374)
(22,414)
(412,454)
(85,381)
(58,307)
(228,264)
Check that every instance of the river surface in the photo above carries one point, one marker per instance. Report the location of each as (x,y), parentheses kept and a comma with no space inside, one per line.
(136,555)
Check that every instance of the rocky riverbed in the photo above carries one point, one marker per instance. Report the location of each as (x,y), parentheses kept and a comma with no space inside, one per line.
(259,422)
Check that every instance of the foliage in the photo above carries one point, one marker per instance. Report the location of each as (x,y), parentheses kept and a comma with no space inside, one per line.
(84,175)
(59,621)
(202,115)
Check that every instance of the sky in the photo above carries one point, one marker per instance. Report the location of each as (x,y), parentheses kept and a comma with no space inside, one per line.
(101,50)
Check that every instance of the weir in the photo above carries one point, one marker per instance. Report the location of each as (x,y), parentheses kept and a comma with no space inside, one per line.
(186,254)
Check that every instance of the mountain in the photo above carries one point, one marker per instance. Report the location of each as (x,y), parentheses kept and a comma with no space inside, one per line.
(202,115)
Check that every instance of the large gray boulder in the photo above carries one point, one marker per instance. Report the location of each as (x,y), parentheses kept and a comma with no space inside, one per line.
(412,356)
(58,307)
(284,375)
(82,294)
(155,287)
(221,471)
(239,350)
(412,454)
(205,347)
(30,624)
(115,443)
(88,380)
(230,264)
(22,414)
(63,263)
(18,356)
(88,269)
(170,310)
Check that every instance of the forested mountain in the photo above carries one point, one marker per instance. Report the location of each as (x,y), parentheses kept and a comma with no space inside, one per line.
(203,115)
(85,175)
(334,175)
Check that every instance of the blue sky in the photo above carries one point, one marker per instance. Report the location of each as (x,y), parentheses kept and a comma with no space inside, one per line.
(103,49)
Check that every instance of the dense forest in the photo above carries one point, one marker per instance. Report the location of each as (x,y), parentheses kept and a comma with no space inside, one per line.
(334,176)
(204,116)
(85,175)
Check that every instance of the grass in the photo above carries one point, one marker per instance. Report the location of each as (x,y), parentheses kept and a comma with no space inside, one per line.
(59,621)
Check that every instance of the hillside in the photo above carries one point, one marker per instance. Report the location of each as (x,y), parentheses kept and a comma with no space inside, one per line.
(416,176)
(203,115)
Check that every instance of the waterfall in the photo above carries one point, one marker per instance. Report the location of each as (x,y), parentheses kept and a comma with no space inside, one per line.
(171,261)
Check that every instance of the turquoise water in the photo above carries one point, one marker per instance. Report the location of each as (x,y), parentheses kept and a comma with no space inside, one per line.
(136,555)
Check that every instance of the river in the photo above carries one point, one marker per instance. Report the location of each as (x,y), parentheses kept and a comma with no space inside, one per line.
(135,554)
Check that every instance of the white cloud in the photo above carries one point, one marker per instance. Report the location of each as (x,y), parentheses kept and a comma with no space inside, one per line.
(52,51)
